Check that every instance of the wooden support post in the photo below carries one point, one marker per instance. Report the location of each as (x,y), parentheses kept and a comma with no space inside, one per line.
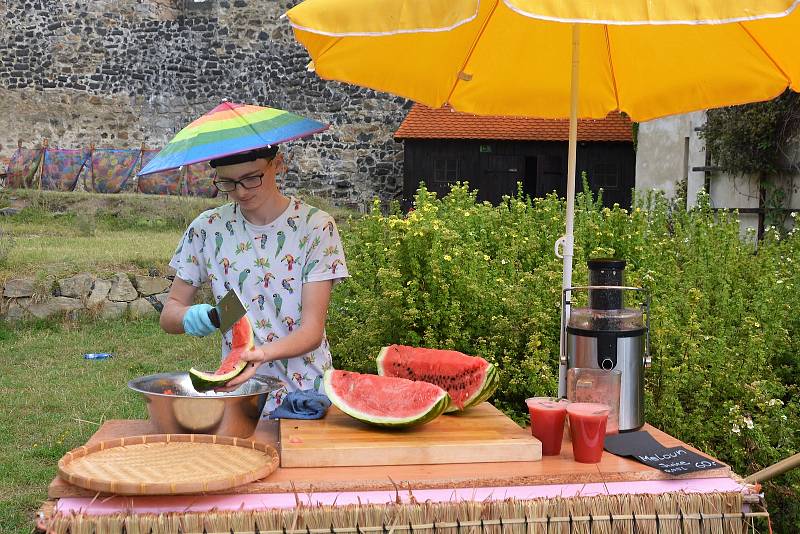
(762,208)
(91,168)
(141,164)
(45,144)
(774,470)
(183,181)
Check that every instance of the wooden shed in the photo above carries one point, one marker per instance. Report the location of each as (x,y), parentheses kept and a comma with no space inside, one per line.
(493,153)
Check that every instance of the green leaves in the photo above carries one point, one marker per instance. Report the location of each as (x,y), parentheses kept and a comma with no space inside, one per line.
(748,139)
(482,279)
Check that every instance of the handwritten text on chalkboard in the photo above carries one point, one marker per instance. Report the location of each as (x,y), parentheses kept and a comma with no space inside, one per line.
(672,460)
(677,461)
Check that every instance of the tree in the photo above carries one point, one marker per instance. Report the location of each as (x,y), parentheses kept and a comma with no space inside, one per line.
(752,139)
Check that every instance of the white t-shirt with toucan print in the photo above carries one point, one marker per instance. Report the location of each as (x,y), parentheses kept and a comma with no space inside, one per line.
(267,267)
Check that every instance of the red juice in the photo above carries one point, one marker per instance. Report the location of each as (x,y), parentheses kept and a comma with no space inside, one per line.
(587,425)
(547,422)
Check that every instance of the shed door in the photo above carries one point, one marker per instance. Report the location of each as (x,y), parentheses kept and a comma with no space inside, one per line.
(553,177)
(501,172)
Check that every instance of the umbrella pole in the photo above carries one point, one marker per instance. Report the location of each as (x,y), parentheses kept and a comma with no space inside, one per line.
(567,241)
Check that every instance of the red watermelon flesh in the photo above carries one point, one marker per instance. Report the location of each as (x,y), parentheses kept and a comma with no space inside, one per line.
(242,341)
(230,362)
(463,377)
(242,334)
(232,366)
(383,400)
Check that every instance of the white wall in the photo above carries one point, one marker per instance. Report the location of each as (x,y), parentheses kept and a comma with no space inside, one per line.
(664,157)
(736,192)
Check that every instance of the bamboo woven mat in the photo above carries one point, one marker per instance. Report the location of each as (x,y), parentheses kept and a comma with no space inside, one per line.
(168,464)
(667,513)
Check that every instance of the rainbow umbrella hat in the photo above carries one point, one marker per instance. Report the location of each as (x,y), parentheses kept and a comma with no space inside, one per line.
(230,129)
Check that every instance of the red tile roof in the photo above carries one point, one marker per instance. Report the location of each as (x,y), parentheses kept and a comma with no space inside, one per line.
(423,122)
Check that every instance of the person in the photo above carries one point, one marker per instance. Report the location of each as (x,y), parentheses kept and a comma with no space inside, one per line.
(280,255)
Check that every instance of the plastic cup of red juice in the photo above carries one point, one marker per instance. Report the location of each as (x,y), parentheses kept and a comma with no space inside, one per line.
(547,422)
(587,384)
(587,426)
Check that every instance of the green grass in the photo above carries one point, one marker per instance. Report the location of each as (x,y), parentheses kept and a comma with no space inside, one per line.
(60,234)
(107,251)
(54,400)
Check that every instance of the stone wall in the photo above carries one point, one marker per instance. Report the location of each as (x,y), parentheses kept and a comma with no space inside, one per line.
(84,293)
(125,72)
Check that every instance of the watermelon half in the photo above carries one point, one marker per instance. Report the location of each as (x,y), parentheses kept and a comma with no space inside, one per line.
(469,380)
(385,401)
(232,366)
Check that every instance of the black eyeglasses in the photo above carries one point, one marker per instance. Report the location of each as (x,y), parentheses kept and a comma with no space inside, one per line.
(250,182)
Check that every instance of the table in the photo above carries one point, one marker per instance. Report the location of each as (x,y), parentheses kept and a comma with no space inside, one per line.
(551,481)
(550,470)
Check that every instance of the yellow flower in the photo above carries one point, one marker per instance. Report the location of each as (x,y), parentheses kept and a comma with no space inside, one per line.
(447,257)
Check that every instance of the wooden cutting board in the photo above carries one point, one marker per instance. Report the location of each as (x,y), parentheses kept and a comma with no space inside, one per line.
(481,434)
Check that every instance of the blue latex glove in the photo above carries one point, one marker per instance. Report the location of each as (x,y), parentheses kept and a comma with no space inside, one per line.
(196,321)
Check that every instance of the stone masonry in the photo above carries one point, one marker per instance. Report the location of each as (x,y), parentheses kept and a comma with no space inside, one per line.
(85,293)
(125,72)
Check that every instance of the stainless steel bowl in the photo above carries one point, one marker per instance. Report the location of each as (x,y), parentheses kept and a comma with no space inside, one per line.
(187,411)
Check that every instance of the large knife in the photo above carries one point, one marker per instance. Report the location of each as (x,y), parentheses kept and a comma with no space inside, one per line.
(229,310)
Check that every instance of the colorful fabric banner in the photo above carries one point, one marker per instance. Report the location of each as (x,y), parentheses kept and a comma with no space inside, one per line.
(199,178)
(111,169)
(159,183)
(104,170)
(62,168)
(22,168)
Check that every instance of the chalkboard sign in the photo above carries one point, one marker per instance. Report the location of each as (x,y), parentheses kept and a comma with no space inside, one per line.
(677,461)
(641,446)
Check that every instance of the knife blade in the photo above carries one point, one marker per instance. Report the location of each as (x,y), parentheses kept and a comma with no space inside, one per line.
(229,310)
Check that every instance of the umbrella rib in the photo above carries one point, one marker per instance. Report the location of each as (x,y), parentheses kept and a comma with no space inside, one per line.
(330,45)
(611,65)
(760,47)
(471,50)
(247,123)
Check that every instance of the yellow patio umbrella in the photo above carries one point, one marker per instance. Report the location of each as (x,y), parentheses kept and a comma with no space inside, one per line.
(558,58)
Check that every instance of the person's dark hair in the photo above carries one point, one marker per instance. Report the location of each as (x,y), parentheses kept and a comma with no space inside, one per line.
(260,153)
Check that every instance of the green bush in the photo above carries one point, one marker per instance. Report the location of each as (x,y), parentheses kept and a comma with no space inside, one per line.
(482,279)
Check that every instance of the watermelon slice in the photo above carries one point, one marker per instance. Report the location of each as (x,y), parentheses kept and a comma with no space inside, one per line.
(469,380)
(385,401)
(232,366)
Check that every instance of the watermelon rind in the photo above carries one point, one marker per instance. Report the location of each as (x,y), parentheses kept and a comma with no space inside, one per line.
(243,340)
(489,386)
(435,410)
(379,360)
(490,382)
(203,381)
